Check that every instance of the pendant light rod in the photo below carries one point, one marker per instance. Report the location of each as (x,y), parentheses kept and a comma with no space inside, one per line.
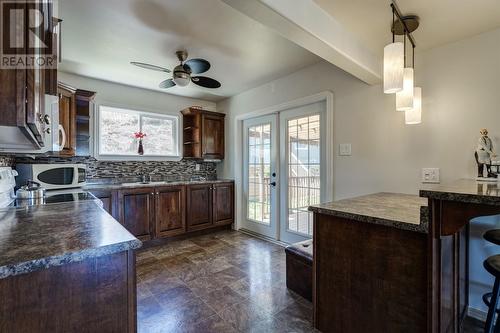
(401,19)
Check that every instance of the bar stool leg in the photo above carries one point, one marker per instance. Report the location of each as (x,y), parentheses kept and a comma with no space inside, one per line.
(488,328)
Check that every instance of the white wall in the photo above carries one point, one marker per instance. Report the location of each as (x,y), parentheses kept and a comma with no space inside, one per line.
(461,94)
(136,98)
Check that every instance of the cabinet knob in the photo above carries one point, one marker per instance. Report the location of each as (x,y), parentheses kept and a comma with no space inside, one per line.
(47,130)
(46,119)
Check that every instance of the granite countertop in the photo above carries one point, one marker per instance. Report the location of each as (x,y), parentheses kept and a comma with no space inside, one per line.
(117,184)
(402,211)
(464,190)
(39,237)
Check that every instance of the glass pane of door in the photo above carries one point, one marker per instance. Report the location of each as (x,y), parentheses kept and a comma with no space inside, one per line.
(303,151)
(259,173)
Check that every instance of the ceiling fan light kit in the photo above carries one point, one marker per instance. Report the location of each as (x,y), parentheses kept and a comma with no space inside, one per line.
(398,77)
(182,74)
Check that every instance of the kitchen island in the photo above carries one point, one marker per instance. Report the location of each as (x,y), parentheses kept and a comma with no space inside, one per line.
(397,263)
(370,264)
(67,267)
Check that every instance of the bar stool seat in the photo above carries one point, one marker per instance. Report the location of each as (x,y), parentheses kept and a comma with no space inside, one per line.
(492,236)
(492,265)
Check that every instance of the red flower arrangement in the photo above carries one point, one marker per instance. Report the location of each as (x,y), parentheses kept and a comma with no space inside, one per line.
(139,135)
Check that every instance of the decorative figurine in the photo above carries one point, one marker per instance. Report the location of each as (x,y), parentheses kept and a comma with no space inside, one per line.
(484,154)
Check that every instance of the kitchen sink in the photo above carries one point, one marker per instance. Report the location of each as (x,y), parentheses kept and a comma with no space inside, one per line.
(144,183)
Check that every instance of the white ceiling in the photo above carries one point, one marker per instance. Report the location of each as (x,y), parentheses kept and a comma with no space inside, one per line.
(100,38)
(441,21)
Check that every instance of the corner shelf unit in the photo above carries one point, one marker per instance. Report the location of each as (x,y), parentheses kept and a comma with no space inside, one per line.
(203,134)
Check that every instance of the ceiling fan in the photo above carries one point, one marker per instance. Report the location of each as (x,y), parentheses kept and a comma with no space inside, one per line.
(181,75)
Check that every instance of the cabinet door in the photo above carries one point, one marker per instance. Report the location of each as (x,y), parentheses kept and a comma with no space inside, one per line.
(108,199)
(137,211)
(170,211)
(21,90)
(199,206)
(67,119)
(212,136)
(223,203)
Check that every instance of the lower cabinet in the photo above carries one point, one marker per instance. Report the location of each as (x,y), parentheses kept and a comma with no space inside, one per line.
(223,203)
(170,217)
(136,211)
(199,206)
(108,199)
(166,211)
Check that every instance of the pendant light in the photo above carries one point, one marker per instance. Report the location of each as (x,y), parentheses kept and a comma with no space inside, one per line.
(414,116)
(409,98)
(393,65)
(404,98)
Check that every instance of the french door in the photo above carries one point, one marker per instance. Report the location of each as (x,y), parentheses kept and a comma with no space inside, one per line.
(260,174)
(283,158)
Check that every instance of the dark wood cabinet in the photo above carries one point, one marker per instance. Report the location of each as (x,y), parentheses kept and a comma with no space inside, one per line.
(84,109)
(170,217)
(223,203)
(22,90)
(171,210)
(67,118)
(203,133)
(199,206)
(109,201)
(136,211)
(212,138)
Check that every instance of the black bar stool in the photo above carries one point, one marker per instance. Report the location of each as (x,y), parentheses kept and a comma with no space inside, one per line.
(492,265)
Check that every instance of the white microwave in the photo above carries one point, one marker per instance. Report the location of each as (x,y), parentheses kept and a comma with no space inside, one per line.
(52,176)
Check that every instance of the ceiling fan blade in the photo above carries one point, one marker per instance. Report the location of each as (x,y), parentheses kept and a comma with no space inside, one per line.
(167,84)
(149,66)
(197,66)
(206,82)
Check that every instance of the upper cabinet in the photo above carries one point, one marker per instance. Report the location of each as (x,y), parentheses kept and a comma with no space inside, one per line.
(26,125)
(67,119)
(203,133)
(22,88)
(75,109)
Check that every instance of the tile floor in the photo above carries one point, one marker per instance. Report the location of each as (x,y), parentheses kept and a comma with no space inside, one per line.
(221,282)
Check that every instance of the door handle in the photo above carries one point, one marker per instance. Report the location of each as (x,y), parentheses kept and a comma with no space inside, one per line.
(273,184)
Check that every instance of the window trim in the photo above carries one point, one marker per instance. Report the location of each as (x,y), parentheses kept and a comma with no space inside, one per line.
(140,112)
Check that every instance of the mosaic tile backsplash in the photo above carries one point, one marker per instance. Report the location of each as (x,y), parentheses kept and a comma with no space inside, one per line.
(96,170)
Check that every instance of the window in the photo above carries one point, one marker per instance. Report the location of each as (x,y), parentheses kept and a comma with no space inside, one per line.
(117,127)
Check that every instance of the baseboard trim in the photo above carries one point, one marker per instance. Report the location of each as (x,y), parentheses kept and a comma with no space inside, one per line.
(259,236)
(477,314)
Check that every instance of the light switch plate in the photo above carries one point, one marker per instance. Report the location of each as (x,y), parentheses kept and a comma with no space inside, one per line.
(430,175)
(197,168)
(345,149)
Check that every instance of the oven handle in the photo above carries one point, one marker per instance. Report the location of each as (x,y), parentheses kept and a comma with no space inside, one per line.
(63,133)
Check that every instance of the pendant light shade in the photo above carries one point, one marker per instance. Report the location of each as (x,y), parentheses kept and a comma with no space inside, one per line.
(414,116)
(393,67)
(404,98)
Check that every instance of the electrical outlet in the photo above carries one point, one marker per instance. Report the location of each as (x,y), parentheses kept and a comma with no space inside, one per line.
(197,168)
(430,175)
(345,149)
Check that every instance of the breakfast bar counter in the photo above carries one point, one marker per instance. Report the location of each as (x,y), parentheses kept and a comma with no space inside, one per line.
(453,205)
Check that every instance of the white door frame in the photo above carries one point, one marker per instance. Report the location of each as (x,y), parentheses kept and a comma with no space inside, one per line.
(326,96)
